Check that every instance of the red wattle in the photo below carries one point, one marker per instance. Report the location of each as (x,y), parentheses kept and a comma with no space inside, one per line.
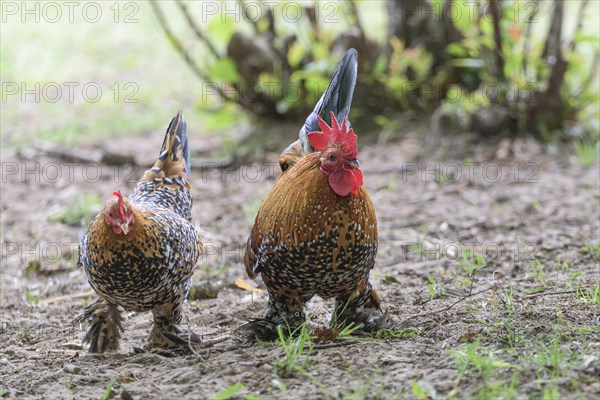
(345,181)
(359,180)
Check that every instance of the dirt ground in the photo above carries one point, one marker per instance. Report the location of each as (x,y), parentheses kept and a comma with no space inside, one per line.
(532,213)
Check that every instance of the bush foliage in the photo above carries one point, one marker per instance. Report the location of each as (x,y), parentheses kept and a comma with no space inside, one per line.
(496,66)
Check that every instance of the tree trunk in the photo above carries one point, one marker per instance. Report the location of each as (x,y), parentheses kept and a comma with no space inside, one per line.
(416,23)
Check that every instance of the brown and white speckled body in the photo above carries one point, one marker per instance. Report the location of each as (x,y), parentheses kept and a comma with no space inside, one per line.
(149,267)
(307,241)
(152,265)
(316,231)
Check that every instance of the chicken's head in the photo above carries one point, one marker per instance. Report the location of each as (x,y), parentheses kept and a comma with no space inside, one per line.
(118,214)
(337,145)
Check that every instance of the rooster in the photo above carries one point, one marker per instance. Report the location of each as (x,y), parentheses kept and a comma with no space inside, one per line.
(139,253)
(316,230)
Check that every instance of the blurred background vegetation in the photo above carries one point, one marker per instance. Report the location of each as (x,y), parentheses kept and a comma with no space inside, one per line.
(497,67)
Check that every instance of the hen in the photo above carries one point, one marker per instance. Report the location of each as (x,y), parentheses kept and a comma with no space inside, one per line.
(316,230)
(139,253)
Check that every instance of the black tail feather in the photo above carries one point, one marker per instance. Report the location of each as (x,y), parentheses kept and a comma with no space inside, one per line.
(337,98)
(179,128)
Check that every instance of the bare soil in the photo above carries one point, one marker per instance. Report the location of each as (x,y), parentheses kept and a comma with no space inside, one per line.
(510,201)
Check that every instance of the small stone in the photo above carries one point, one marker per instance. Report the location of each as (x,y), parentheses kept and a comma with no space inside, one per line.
(589,360)
(71,369)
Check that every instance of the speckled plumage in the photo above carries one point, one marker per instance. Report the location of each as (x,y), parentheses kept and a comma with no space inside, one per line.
(150,267)
(307,240)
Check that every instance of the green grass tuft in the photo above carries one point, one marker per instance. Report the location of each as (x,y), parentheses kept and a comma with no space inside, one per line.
(80,213)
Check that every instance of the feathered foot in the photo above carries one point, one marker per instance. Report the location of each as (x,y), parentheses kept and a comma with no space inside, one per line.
(364,311)
(266,329)
(165,335)
(369,320)
(106,326)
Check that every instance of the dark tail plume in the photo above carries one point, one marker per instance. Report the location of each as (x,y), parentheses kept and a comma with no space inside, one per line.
(174,158)
(337,98)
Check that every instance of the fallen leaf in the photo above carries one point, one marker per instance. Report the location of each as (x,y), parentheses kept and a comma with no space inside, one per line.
(468,337)
(246,285)
(389,279)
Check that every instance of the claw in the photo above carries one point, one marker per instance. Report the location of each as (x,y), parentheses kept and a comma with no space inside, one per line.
(259,329)
(182,339)
(172,338)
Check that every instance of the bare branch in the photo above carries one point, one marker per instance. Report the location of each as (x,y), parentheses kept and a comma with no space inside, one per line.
(496,12)
(180,49)
(69,297)
(591,76)
(190,61)
(271,35)
(579,24)
(253,21)
(549,293)
(527,38)
(197,31)
(468,295)
(558,65)
(593,70)
(448,307)
(552,46)
(363,37)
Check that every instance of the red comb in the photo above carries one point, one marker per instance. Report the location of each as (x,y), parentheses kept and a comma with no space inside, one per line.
(121,204)
(334,134)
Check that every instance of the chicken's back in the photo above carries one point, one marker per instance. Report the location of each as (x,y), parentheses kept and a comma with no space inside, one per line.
(166,184)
